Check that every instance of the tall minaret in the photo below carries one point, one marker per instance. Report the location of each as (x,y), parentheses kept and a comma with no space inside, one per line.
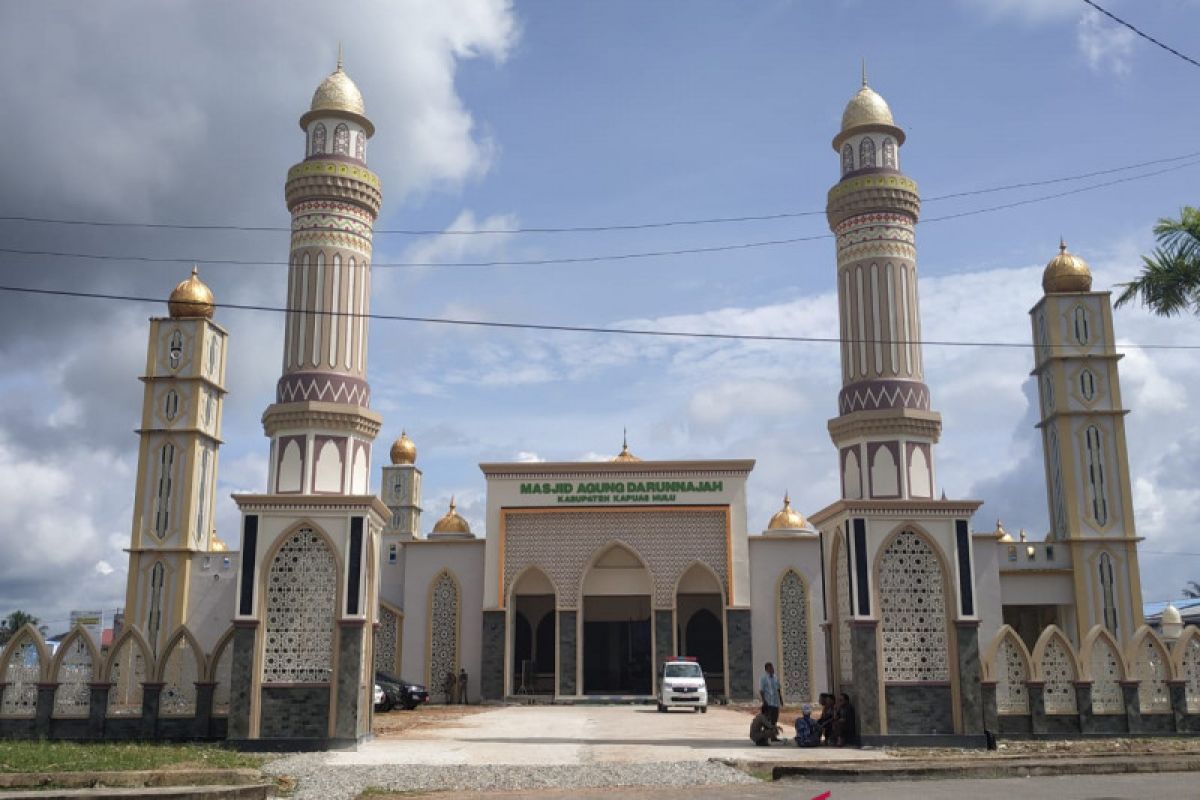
(177,460)
(1083,438)
(308,580)
(884,432)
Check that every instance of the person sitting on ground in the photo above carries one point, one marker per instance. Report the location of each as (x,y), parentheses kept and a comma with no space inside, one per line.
(762,730)
(826,722)
(843,722)
(808,733)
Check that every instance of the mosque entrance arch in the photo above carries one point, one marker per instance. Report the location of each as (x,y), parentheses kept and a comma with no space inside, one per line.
(700,623)
(617,632)
(532,665)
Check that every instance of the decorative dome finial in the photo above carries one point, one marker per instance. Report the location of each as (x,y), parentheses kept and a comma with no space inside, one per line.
(787,518)
(1066,272)
(191,298)
(339,61)
(625,455)
(453,522)
(864,71)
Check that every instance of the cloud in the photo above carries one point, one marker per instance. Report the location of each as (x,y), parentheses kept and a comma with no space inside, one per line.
(1105,45)
(461,242)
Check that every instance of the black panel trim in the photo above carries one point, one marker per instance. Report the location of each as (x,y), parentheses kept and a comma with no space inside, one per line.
(249,550)
(356,537)
(860,567)
(963,546)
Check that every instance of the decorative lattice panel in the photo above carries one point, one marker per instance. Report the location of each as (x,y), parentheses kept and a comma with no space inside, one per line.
(22,674)
(1191,675)
(912,606)
(842,585)
(563,544)
(301,601)
(1150,670)
(1058,671)
(387,637)
(223,679)
(1011,673)
(76,670)
(127,674)
(443,632)
(793,638)
(178,698)
(1105,664)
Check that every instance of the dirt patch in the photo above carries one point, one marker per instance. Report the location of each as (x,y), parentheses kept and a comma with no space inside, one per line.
(398,722)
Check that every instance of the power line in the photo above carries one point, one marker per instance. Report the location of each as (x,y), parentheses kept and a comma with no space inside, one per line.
(593,228)
(574,328)
(1142,34)
(600,258)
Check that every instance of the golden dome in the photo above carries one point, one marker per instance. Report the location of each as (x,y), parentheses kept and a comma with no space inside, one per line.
(191,298)
(866,111)
(338,96)
(625,455)
(1066,272)
(1001,534)
(787,518)
(403,450)
(218,546)
(452,522)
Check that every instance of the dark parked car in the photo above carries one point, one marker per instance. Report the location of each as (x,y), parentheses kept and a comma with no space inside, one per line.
(399,692)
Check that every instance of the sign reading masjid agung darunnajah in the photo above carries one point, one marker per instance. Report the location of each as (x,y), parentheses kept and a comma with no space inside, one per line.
(621,491)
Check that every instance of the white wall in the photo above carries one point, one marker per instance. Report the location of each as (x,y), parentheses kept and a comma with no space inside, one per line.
(212,596)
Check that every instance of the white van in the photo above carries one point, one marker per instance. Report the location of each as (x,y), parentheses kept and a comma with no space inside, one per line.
(681,683)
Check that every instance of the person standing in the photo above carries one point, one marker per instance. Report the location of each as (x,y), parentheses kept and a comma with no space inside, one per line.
(768,690)
(448,686)
(462,686)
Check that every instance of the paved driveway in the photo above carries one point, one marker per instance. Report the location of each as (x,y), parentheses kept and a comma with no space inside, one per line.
(583,735)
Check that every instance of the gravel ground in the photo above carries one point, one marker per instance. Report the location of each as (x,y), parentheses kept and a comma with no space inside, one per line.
(315,779)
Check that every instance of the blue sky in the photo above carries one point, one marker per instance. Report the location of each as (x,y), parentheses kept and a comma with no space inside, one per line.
(570,114)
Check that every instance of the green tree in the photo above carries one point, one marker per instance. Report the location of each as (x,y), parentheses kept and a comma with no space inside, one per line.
(1170,279)
(13,623)
(1192,590)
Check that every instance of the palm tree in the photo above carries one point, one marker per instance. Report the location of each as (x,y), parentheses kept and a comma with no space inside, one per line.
(1170,279)
(1192,590)
(13,623)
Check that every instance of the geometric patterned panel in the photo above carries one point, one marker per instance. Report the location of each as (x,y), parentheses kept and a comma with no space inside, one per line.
(301,599)
(793,638)
(386,637)
(22,675)
(73,697)
(912,608)
(443,631)
(178,697)
(1011,675)
(222,678)
(1107,697)
(563,544)
(1059,674)
(127,674)
(1191,674)
(842,585)
(1150,670)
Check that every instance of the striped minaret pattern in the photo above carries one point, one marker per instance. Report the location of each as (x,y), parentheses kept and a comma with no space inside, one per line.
(885,430)
(320,427)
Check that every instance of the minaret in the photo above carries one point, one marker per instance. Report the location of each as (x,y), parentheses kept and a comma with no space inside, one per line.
(885,431)
(308,581)
(400,489)
(177,460)
(1083,438)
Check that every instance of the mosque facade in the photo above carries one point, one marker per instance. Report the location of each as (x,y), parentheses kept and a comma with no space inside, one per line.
(591,574)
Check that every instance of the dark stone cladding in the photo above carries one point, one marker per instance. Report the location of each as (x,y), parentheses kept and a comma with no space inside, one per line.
(864,663)
(873,395)
(566,652)
(970,694)
(346,723)
(295,712)
(919,709)
(741,661)
(328,387)
(664,636)
(491,661)
(241,679)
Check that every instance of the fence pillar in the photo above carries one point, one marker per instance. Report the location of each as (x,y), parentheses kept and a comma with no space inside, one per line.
(151,693)
(1178,691)
(202,726)
(1133,709)
(98,710)
(1037,706)
(45,708)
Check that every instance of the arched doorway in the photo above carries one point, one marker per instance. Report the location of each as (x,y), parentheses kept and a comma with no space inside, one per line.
(617,637)
(699,616)
(532,669)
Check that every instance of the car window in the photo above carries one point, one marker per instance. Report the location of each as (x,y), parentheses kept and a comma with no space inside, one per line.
(683,671)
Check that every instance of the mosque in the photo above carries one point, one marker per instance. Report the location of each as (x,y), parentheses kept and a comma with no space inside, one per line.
(589,574)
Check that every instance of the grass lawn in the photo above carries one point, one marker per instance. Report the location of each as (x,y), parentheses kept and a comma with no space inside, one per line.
(27,756)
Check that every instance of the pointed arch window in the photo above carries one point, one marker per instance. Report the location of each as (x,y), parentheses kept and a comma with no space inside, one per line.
(1082,330)
(213,352)
(847,158)
(175,350)
(1087,385)
(158,574)
(171,405)
(866,153)
(162,501)
(793,637)
(318,139)
(202,500)
(341,140)
(360,146)
(1108,593)
(1095,466)
(889,153)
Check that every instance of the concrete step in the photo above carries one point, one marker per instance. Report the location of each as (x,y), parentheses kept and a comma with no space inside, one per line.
(258,791)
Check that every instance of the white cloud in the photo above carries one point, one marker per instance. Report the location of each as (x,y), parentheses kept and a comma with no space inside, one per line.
(1105,45)
(104,568)
(526,457)
(462,242)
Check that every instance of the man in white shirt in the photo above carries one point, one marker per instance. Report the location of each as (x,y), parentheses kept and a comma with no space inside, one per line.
(768,690)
